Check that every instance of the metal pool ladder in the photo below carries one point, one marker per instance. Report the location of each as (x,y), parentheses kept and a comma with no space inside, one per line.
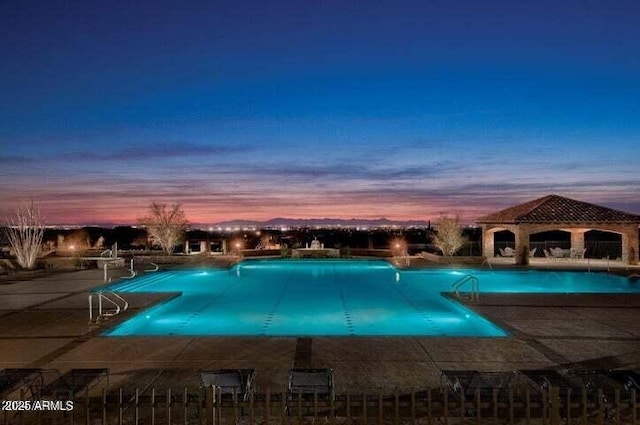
(117,303)
(470,279)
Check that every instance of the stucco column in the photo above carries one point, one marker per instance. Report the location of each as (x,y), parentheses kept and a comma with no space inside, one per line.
(487,242)
(203,246)
(577,240)
(186,247)
(522,244)
(630,246)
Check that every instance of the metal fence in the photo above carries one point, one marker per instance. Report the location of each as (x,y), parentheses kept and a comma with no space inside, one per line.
(471,249)
(435,406)
(595,249)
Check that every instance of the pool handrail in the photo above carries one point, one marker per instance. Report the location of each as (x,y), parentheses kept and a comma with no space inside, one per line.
(101,295)
(475,285)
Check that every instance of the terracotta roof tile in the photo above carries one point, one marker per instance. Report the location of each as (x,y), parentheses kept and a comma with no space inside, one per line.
(558,209)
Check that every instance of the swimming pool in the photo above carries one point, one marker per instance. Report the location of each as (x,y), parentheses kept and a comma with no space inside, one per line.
(334,298)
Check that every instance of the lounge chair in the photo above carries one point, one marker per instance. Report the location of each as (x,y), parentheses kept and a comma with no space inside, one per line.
(509,252)
(307,383)
(469,382)
(628,378)
(466,385)
(13,379)
(595,379)
(76,382)
(502,254)
(238,382)
(544,379)
(532,253)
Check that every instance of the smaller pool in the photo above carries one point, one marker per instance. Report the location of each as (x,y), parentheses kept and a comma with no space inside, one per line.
(335,298)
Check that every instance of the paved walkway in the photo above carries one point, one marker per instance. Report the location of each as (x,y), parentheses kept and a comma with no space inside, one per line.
(44,323)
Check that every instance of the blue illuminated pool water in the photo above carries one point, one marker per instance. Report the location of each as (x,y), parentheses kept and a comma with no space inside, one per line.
(333,298)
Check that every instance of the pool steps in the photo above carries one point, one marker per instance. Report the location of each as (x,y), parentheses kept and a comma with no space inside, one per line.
(135,285)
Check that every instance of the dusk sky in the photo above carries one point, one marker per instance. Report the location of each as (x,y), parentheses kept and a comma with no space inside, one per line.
(310,109)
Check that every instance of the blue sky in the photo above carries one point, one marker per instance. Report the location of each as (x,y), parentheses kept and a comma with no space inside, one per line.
(258,109)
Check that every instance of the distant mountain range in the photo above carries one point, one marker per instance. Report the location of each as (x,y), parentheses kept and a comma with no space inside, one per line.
(280,222)
(318,222)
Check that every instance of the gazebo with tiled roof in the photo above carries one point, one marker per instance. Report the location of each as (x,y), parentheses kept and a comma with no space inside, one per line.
(555,212)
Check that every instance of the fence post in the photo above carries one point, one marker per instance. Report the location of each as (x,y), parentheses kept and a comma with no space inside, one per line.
(120,408)
(397,408)
(554,395)
(633,406)
(213,405)
(104,406)
(168,406)
(185,405)
(332,410)
(495,404)
(429,406)
(617,404)
(22,397)
(86,400)
(380,407)
(511,412)
(284,406)
(545,406)
(364,409)
(299,407)
(137,411)
(568,405)
(153,405)
(252,413)
(413,407)
(584,405)
(266,405)
(527,396)
(201,417)
(462,404)
(478,406)
(315,404)
(446,406)
(600,407)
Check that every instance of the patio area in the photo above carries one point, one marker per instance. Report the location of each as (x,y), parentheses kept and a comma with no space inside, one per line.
(568,263)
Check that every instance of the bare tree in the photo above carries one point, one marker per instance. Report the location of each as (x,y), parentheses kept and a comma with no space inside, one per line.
(25,230)
(166,225)
(449,238)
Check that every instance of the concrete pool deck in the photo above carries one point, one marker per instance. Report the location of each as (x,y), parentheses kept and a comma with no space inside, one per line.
(44,323)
